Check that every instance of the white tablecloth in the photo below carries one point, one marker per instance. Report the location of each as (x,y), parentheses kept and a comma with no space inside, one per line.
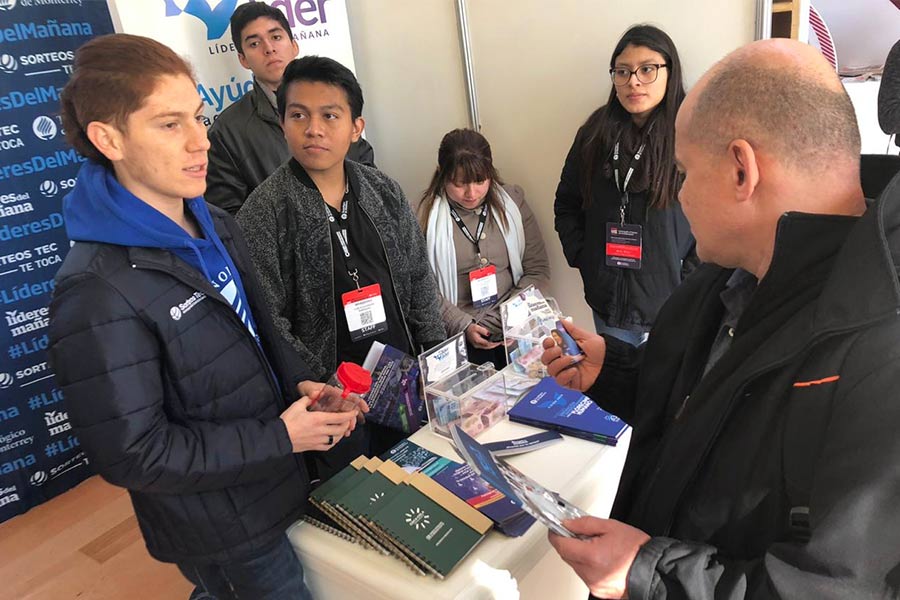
(585,473)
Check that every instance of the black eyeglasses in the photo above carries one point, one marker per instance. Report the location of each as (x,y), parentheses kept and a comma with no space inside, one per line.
(644,73)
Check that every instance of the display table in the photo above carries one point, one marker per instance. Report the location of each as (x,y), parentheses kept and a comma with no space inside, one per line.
(585,473)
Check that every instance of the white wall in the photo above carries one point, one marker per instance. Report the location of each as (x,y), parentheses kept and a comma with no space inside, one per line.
(541,68)
(408,63)
(864,95)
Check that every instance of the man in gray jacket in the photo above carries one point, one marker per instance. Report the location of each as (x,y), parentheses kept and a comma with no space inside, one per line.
(247,143)
(339,252)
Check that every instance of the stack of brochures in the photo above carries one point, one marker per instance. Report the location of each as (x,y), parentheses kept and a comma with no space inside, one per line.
(551,406)
(506,514)
(425,510)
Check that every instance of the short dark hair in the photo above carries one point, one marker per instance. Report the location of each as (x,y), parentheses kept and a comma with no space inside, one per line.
(802,120)
(244,14)
(324,70)
(113,76)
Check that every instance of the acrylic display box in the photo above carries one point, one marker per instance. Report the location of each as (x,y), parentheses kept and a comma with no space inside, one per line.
(528,318)
(474,397)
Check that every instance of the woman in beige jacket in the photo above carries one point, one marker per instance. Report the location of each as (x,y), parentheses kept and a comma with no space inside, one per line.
(483,242)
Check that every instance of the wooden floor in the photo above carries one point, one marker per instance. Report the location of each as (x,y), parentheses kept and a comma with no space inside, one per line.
(84,544)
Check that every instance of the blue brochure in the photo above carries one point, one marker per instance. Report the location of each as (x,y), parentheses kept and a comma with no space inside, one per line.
(551,406)
(546,506)
(464,483)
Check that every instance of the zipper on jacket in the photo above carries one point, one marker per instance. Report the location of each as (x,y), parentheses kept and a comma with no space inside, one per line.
(681,408)
(622,304)
(409,337)
(623,275)
(333,305)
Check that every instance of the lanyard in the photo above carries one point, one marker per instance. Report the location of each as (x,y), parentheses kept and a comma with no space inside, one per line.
(623,187)
(343,237)
(482,218)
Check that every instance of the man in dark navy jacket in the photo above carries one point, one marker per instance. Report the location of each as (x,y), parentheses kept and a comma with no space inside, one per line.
(176,382)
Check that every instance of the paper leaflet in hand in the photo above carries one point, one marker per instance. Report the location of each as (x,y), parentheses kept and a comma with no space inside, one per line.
(546,506)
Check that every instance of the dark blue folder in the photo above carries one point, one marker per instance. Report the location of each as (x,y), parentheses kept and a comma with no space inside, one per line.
(551,406)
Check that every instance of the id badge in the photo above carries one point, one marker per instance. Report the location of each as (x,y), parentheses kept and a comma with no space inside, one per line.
(364,309)
(484,286)
(623,246)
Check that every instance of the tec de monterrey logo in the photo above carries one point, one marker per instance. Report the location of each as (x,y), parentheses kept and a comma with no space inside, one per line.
(7,4)
(44,128)
(216,19)
(8,62)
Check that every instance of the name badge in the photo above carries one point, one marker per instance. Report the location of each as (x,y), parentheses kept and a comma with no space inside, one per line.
(484,286)
(364,309)
(623,246)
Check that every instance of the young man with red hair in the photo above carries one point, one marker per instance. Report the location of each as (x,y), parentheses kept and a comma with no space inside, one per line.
(176,381)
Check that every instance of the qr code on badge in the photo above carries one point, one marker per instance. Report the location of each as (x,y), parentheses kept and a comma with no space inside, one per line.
(365,317)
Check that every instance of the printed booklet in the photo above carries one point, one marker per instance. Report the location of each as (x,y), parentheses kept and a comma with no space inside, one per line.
(548,405)
(394,399)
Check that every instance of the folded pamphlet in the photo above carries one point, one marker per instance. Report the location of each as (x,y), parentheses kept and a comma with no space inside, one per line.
(524,444)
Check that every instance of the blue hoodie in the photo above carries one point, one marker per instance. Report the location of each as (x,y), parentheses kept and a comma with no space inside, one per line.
(99,209)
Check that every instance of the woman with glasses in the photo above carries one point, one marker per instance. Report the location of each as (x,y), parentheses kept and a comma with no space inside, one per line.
(617,211)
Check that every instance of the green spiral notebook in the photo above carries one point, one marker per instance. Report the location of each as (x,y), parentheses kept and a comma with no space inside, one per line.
(432,523)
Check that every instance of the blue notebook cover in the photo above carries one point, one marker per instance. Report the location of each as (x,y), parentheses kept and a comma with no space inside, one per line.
(552,406)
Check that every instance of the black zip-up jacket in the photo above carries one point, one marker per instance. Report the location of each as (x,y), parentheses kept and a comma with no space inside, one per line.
(776,474)
(247,144)
(624,298)
(173,399)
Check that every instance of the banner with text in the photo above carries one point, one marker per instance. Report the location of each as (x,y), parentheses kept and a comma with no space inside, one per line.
(199,31)
(39,455)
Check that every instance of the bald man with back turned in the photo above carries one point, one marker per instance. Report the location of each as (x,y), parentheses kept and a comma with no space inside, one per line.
(765,458)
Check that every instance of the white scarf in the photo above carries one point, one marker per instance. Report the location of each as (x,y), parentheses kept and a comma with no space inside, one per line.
(442,250)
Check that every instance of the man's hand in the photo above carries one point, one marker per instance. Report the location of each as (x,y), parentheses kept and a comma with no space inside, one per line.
(603,561)
(314,389)
(361,408)
(315,430)
(581,375)
(478,337)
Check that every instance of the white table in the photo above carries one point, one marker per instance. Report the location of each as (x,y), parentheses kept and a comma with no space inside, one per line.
(585,473)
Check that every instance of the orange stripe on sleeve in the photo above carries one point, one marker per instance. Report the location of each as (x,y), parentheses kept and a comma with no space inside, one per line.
(831,379)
